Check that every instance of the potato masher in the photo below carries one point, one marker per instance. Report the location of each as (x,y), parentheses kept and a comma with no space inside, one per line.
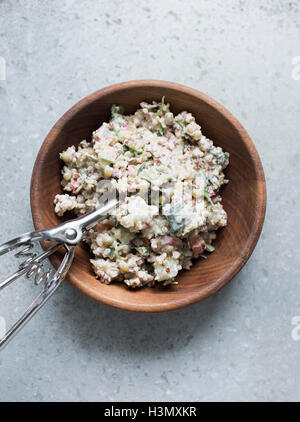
(66,235)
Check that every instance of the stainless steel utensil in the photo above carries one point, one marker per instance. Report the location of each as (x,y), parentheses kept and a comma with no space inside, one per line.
(66,235)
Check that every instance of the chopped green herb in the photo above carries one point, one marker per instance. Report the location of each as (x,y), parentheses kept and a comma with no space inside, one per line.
(186,247)
(172,219)
(152,106)
(117,109)
(209,248)
(112,251)
(141,168)
(133,150)
(212,179)
(148,179)
(223,159)
(106,160)
(160,131)
(143,250)
(161,106)
(207,197)
(183,134)
(92,158)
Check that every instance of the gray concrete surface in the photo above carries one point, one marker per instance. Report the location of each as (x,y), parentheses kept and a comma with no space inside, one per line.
(236,345)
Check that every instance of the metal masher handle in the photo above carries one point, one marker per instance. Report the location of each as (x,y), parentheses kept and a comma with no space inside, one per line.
(67,235)
(46,293)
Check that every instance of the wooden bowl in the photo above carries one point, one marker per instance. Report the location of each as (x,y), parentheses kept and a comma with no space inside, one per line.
(244,198)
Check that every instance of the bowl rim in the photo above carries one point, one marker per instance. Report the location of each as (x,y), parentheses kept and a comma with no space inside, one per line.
(259,215)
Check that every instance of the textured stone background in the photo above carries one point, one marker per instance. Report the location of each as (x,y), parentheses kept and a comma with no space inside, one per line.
(236,345)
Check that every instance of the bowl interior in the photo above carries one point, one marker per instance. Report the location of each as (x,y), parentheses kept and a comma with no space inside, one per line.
(243,197)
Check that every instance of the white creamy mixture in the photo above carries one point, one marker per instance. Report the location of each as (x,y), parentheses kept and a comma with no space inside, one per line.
(143,242)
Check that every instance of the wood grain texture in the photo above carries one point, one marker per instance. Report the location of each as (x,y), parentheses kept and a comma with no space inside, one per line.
(244,198)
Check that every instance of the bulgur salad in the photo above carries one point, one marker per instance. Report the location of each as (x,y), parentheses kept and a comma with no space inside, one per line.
(168,175)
